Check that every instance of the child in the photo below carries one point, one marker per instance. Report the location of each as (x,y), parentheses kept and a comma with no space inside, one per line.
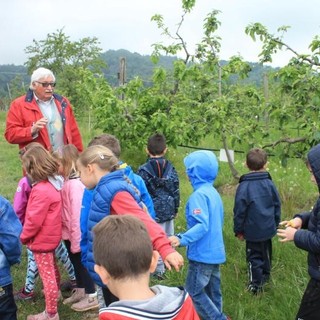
(84,296)
(162,182)
(204,215)
(257,210)
(111,142)
(10,229)
(20,202)
(127,266)
(304,230)
(42,227)
(112,194)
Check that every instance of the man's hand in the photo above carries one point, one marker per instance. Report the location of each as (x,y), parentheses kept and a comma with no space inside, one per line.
(37,126)
(175,260)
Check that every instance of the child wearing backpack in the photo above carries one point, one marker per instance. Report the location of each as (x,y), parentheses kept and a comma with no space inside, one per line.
(162,182)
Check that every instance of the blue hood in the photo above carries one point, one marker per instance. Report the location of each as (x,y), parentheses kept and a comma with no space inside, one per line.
(201,167)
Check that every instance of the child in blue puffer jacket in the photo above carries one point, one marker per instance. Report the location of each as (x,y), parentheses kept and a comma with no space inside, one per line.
(10,229)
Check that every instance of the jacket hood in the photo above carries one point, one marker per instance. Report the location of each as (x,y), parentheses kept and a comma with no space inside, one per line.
(56,181)
(201,167)
(166,300)
(314,162)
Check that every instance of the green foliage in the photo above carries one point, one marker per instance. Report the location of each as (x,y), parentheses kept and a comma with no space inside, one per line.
(289,269)
(57,51)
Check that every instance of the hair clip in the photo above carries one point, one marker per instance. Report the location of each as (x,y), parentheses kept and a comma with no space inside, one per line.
(101,156)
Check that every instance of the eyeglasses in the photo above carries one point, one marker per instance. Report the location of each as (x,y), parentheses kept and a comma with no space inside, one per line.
(47,84)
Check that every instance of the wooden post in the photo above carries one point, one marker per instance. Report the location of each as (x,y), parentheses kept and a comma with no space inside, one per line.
(266,97)
(122,74)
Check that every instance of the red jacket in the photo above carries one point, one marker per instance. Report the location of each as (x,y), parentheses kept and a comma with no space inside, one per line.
(24,111)
(42,226)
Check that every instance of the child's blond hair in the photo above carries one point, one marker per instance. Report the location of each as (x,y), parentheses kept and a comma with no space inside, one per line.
(100,155)
(68,156)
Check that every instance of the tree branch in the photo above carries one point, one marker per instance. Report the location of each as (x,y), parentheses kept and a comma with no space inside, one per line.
(285,140)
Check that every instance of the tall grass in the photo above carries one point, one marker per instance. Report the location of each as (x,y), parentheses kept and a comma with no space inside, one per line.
(289,273)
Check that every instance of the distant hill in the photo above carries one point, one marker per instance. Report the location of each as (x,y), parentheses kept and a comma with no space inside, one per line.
(136,65)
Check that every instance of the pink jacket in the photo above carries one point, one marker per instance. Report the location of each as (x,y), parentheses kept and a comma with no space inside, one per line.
(20,199)
(71,194)
(42,226)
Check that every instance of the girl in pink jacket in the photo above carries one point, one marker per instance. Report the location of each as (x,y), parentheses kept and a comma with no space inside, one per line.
(42,226)
(84,296)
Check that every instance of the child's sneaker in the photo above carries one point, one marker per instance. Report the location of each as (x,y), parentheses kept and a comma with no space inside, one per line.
(87,303)
(77,295)
(43,316)
(68,285)
(23,295)
(254,289)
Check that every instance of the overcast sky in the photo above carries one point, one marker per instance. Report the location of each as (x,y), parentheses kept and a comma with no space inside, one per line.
(126,24)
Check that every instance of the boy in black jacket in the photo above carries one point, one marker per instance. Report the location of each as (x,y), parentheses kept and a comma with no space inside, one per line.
(257,210)
(304,230)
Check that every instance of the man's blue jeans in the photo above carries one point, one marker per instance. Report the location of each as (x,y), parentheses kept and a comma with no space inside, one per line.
(8,308)
(203,285)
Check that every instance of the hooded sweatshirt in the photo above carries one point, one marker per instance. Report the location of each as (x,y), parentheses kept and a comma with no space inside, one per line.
(167,304)
(204,211)
(42,227)
(308,238)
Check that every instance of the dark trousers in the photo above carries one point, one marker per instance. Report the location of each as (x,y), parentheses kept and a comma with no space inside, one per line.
(259,255)
(83,278)
(8,308)
(310,304)
(108,296)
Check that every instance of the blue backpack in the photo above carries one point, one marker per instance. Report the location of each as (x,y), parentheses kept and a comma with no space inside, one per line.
(164,191)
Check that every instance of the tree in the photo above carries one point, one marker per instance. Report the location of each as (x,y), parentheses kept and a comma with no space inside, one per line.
(68,60)
(296,98)
(189,103)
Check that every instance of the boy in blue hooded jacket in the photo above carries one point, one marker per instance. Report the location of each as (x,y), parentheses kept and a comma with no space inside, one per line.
(10,251)
(203,239)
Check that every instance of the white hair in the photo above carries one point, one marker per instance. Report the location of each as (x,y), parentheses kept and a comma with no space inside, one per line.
(41,73)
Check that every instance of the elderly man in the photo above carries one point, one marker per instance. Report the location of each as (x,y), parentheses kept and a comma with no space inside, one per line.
(42,116)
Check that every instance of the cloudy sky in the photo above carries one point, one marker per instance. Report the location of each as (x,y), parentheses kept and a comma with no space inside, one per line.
(127,24)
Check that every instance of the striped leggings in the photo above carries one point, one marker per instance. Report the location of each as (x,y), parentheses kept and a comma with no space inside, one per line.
(32,270)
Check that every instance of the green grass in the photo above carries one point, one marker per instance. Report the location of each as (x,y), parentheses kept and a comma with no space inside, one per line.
(289,273)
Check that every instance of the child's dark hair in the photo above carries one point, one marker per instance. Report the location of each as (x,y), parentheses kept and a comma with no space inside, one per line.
(39,163)
(156,144)
(132,253)
(109,141)
(256,159)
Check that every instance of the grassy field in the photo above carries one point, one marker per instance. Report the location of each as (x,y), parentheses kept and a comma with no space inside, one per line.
(289,273)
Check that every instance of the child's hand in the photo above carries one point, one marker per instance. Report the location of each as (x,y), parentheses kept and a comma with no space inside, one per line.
(286,234)
(174,259)
(175,241)
(240,236)
(294,223)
